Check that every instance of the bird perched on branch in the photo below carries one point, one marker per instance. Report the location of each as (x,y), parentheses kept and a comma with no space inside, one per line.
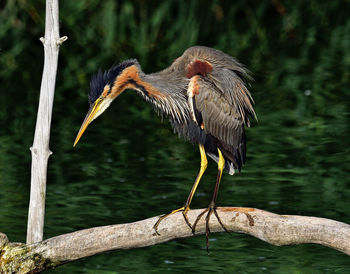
(204,95)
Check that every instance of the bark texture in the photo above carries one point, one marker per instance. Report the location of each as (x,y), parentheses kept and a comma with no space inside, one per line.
(272,228)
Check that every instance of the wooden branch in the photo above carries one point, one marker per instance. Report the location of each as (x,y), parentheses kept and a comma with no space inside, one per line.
(272,228)
(40,148)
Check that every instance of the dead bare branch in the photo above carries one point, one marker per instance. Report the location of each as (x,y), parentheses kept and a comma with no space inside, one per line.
(40,148)
(272,228)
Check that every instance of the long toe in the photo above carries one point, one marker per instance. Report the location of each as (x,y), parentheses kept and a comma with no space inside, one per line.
(184,210)
(210,210)
(197,220)
(219,220)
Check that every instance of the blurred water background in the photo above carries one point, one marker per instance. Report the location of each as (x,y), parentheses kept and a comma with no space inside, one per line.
(129,165)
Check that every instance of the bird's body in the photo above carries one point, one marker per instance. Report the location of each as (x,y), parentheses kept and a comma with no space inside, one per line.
(205,97)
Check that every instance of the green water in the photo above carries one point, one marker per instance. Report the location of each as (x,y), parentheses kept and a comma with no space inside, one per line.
(129,165)
(112,177)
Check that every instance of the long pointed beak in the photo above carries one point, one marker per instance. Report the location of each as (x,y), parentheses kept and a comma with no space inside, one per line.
(90,116)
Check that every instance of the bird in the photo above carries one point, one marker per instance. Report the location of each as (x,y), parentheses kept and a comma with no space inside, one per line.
(205,95)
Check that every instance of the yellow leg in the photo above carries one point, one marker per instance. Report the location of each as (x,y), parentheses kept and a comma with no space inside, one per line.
(204,163)
(212,206)
(186,207)
(221,165)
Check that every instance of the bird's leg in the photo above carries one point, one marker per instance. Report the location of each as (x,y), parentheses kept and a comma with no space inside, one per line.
(204,163)
(186,207)
(212,206)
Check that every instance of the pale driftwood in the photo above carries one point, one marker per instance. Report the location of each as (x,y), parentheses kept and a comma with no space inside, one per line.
(40,148)
(272,228)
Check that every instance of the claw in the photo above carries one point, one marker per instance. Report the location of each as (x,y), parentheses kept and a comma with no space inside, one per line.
(184,214)
(210,210)
(184,210)
(197,219)
(186,206)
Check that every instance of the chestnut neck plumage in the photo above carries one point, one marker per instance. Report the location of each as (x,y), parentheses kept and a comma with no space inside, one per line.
(166,95)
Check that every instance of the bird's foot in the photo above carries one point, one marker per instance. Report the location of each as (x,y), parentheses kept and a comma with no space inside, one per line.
(184,210)
(210,210)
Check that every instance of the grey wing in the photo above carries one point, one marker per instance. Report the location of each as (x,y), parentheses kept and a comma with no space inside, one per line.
(219,118)
(227,75)
(217,58)
(218,99)
(232,87)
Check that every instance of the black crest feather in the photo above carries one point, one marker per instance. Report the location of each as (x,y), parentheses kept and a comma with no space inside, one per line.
(101,79)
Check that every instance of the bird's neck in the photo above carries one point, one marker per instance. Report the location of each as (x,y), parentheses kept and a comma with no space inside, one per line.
(164,91)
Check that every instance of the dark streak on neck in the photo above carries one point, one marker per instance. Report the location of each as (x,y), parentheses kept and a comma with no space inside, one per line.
(138,86)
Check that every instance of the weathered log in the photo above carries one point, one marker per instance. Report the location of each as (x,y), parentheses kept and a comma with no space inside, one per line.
(272,228)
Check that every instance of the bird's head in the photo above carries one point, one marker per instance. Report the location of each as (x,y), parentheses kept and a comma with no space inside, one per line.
(105,87)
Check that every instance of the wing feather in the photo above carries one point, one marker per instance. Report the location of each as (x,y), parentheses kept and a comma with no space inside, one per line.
(219,119)
(226,74)
(222,99)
